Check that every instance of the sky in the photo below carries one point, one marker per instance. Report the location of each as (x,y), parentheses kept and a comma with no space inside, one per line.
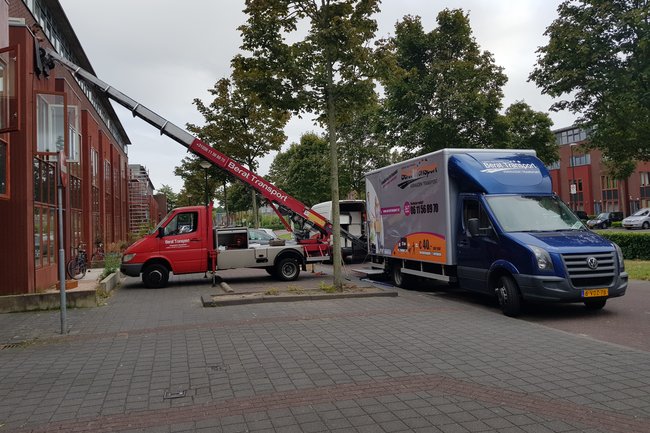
(165,53)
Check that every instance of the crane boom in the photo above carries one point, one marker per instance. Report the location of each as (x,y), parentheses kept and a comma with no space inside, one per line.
(285,203)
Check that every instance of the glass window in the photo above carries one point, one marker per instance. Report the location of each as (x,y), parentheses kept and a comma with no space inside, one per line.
(4,170)
(50,123)
(8,88)
(74,136)
(94,166)
(185,222)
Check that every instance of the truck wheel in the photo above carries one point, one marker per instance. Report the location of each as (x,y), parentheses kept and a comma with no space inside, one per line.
(595,305)
(155,276)
(399,279)
(508,296)
(287,269)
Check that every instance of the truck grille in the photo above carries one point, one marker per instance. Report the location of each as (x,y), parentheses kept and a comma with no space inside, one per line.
(582,275)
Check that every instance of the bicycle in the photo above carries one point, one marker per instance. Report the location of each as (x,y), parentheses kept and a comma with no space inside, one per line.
(77,266)
(98,255)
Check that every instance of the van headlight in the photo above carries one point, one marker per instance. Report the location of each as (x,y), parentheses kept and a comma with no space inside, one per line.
(543,258)
(619,253)
(127,257)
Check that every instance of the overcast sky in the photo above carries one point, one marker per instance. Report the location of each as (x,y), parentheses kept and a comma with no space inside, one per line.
(165,53)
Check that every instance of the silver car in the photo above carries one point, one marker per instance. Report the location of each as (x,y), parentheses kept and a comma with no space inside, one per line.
(638,220)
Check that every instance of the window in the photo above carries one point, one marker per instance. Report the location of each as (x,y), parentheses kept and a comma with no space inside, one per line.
(50,123)
(94,166)
(74,136)
(8,90)
(185,222)
(4,170)
(472,209)
(645,178)
(44,213)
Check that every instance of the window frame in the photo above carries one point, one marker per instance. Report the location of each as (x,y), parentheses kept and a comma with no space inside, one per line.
(64,125)
(10,104)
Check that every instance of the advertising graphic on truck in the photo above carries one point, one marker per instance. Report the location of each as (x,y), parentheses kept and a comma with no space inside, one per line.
(487,220)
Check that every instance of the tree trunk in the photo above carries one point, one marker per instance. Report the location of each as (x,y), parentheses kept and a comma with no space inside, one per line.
(256,216)
(334,181)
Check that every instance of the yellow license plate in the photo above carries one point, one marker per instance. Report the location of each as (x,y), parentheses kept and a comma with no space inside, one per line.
(595,293)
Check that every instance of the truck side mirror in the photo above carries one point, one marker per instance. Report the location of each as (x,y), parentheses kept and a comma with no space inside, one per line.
(472,226)
(161,232)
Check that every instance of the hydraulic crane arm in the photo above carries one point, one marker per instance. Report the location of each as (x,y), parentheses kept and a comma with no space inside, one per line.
(275,196)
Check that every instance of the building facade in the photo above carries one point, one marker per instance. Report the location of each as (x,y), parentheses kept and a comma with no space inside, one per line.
(595,191)
(50,120)
(143,206)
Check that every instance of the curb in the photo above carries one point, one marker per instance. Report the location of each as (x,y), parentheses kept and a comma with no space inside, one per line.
(257,298)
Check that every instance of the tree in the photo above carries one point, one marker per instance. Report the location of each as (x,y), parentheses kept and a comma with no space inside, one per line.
(241,126)
(440,89)
(529,129)
(598,60)
(303,170)
(193,176)
(364,147)
(328,72)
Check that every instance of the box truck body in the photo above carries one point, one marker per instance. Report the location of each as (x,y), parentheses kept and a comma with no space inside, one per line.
(488,220)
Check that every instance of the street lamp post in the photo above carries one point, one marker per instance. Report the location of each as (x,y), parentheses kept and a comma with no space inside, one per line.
(206,165)
(574,186)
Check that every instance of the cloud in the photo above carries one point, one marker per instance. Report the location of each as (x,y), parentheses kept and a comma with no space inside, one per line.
(165,53)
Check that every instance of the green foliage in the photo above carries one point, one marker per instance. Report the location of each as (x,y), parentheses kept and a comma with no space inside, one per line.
(598,60)
(635,246)
(528,129)
(271,222)
(441,89)
(111,264)
(303,171)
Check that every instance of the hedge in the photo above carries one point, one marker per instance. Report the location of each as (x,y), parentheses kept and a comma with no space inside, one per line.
(635,246)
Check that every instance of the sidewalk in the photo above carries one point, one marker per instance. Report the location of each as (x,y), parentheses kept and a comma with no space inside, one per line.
(157,361)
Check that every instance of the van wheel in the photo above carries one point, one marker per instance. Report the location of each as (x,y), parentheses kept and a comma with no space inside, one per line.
(399,279)
(155,276)
(508,295)
(287,269)
(595,305)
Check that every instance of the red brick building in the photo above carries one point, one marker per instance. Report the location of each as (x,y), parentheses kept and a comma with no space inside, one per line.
(595,190)
(44,112)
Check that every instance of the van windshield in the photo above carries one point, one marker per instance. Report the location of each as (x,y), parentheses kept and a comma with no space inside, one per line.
(516,213)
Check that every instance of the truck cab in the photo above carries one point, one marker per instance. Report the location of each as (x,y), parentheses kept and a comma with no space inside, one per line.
(533,248)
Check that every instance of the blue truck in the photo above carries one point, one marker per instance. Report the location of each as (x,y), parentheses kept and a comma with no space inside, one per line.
(488,221)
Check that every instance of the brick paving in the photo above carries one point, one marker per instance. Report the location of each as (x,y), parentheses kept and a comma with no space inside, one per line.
(157,361)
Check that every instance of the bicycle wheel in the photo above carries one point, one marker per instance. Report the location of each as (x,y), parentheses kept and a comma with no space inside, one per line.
(97,259)
(76,269)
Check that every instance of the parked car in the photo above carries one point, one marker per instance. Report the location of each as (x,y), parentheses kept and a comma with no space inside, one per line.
(258,236)
(638,220)
(581,214)
(268,231)
(605,220)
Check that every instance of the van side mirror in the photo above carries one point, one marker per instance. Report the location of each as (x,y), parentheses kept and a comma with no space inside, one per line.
(472,226)
(161,232)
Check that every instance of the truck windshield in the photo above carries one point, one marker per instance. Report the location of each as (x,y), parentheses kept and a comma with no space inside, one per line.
(516,213)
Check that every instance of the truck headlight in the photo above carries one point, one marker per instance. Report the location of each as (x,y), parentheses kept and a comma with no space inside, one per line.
(127,257)
(619,253)
(543,258)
